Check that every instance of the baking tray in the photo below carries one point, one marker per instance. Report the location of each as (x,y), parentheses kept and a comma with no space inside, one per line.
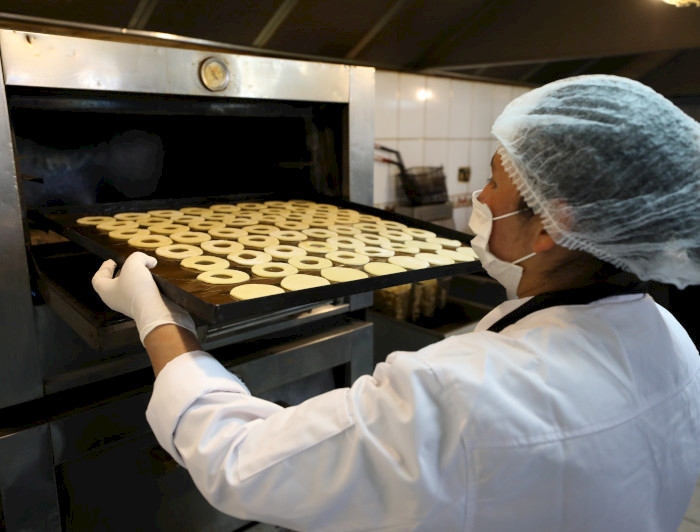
(212,303)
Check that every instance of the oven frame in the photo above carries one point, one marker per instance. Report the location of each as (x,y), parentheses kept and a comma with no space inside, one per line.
(43,60)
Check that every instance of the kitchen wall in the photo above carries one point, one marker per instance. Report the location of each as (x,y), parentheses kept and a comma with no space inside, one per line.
(436,121)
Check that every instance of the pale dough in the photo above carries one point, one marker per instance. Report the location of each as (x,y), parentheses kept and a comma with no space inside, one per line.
(435,260)
(252,290)
(126,234)
(338,274)
(410,263)
(271,270)
(382,268)
(223,277)
(221,247)
(301,281)
(117,224)
(190,237)
(310,263)
(178,251)
(205,263)
(149,241)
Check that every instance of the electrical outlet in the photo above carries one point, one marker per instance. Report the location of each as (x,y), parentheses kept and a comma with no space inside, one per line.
(464,173)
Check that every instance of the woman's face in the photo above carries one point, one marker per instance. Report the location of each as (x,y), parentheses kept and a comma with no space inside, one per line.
(511,237)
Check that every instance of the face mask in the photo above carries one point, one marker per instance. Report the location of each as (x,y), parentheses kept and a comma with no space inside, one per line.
(507,274)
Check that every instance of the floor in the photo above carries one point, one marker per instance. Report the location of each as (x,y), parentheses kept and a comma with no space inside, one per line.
(691,522)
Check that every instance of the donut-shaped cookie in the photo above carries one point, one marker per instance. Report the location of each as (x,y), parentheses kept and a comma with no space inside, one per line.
(338,274)
(196,211)
(400,249)
(274,210)
(187,219)
(258,241)
(190,237)
(396,226)
(317,247)
(251,206)
(325,207)
(468,250)
(423,245)
(221,247)
(410,263)
(377,253)
(395,236)
(165,213)
(212,216)
(347,258)
(261,229)
(225,208)
(317,233)
(95,220)
(321,222)
(248,257)
(117,224)
(149,241)
(133,216)
(149,220)
(309,264)
(227,233)
(253,290)
(435,260)
(223,277)
(241,221)
(126,234)
(273,270)
(369,218)
(445,242)
(205,263)
(370,227)
(284,252)
(271,219)
(166,228)
(206,225)
(287,237)
(292,225)
(370,239)
(275,204)
(178,251)
(344,230)
(457,256)
(301,281)
(298,217)
(419,234)
(375,269)
(346,242)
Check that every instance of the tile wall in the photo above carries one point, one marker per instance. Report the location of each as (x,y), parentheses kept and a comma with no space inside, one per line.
(436,121)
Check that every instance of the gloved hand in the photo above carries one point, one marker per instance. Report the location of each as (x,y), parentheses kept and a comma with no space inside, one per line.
(134,293)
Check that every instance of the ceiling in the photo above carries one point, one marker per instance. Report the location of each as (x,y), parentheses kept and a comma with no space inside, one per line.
(528,42)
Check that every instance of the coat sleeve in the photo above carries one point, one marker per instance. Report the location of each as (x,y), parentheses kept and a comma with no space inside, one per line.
(379,455)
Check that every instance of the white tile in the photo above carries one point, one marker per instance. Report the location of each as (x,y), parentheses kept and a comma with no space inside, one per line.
(461,217)
(437,108)
(412,152)
(435,153)
(518,91)
(501,98)
(460,121)
(412,91)
(458,154)
(482,104)
(386,104)
(480,161)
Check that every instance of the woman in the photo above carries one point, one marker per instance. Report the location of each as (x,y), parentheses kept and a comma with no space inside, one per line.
(575,406)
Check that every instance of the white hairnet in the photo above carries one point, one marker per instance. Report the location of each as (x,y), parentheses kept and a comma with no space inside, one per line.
(613,168)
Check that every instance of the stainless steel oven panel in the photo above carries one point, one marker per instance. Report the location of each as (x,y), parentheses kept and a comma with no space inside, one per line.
(41,60)
(20,378)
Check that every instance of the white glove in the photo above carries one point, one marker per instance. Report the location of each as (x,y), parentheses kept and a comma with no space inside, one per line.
(134,293)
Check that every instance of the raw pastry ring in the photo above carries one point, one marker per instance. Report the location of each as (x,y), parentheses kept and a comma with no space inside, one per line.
(205,263)
(223,277)
(178,251)
(126,234)
(190,237)
(273,270)
(149,241)
(221,247)
(252,290)
(117,224)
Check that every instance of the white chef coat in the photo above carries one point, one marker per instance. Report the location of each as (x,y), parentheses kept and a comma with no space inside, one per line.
(578,417)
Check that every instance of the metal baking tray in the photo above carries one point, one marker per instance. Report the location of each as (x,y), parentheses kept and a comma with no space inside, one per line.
(212,303)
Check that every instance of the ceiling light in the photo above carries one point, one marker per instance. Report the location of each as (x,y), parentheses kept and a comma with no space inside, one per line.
(683,3)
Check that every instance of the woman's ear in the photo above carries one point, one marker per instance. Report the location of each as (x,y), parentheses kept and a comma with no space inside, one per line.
(543,242)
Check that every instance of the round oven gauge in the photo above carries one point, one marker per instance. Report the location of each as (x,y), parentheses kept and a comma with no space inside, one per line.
(214,74)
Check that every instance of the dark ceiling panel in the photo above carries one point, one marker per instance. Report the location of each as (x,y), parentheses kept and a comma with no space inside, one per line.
(678,77)
(417,28)
(233,22)
(327,28)
(115,14)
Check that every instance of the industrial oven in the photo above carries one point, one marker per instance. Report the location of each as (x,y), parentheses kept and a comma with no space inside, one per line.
(96,126)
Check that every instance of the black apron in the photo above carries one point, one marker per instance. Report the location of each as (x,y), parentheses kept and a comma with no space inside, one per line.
(573,296)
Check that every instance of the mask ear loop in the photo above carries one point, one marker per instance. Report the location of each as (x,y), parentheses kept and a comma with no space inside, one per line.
(508,214)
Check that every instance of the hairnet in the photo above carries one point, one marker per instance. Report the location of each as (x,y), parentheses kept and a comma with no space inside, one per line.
(612,168)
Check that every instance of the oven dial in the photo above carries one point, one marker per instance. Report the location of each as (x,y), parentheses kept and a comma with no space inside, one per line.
(214,74)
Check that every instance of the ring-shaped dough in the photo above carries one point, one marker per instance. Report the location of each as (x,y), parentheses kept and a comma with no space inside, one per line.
(419,234)
(95,220)
(221,247)
(248,257)
(369,218)
(149,241)
(190,237)
(227,233)
(338,274)
(261,229)
(206,225)
(302,281)
(241,221)
(226,208)
(395,236)
(196,211)
(205,263)
(165,213)
(212,216)
(258,241)
(410,263)
(166,228)
(316,233)
(468,250)
(317,247)
(225,276)
(251,206)
(273,270)
(126,234)
(304,264)
(284,252)
(347,258)
(377,253)
(371,239)
(292,225)
(117,224)
(253,290)
(189,218)
(370,227)
(445,242)
(178,251)
(399,248)
(457,256)
(434,259)
(270,219)
(344,230)
(396,226)
(133,216)
(346,242)
(288,236)
(149,220)
(423,245)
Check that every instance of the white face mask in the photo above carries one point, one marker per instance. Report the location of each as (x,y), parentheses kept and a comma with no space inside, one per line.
(507,274)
